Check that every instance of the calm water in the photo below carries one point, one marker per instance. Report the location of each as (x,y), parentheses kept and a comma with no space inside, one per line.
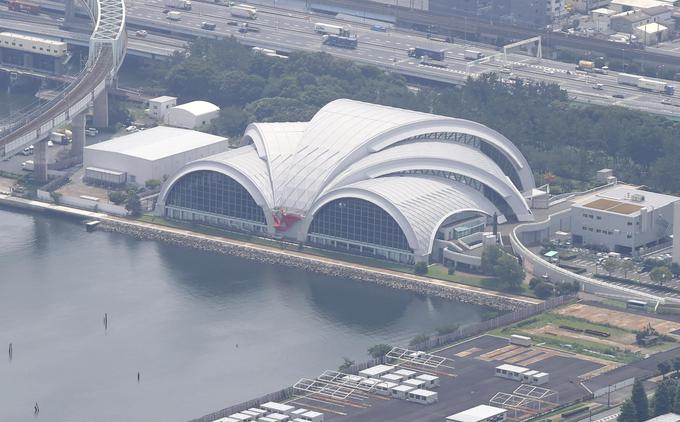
(176,315)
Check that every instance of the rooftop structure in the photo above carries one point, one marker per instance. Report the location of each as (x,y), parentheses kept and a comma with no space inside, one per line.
(668,417)
(623,219)
(149,154)
(624,5)
(192,115)
(479,413)
(407,172)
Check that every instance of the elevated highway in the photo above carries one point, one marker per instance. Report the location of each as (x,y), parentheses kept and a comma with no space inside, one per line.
(107,49)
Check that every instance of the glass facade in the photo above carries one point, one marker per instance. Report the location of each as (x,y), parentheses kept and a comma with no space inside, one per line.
(214,193)
(360,221)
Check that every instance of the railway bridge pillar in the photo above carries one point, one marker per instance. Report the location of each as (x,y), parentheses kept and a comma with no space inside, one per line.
(69,11)
(100,118)
(78,134)
(40,162)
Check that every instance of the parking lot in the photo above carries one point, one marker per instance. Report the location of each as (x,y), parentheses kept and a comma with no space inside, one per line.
(466,374)
(592,262)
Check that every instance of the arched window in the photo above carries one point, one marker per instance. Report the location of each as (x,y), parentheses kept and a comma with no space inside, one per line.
(360,221)
(213,192)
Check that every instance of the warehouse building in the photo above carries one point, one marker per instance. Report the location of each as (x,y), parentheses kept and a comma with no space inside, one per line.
(481,413)
(193,115)
(159,106)
(623,219)
(155,153)
(360,178)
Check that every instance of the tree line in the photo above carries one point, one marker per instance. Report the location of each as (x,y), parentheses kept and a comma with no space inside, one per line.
(558,137)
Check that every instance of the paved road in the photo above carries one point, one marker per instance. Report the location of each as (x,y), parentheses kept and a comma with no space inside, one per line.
(293,30)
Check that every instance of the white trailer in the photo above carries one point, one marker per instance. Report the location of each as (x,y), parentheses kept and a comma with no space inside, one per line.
(243,12)
(626,79)
(174,15)
(651,85)
(520,340)
(422,396)
(385,388)
(472,55)
(376,371)
(512,372)
(327,28)
(431,380)
(392,378)
(28,165)
(401,391)
(275,407)
(179,4)
(405,373)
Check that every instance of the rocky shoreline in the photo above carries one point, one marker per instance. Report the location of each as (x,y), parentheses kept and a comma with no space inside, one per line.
(500,302)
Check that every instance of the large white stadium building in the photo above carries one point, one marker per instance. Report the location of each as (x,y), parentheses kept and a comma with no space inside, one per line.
(362,178)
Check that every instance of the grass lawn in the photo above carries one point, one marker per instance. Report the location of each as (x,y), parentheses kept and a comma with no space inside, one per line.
(441,272)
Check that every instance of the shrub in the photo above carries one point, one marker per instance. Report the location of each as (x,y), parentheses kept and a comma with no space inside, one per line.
(117,197)
(420,268)
(544,290)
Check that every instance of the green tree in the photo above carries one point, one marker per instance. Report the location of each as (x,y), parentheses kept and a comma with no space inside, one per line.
(610,265)
(663,397)
(419,339)
(379,351)
(509,271)
(627,412)
(627,266)
(133,204)
(117,197)
(152,184)
(420,268)
(490,257)
(676,400)
(660,275)
(544,290)
(676,365)
(447,329)
(639,399)
(56,197)
(664,368)
(346,364)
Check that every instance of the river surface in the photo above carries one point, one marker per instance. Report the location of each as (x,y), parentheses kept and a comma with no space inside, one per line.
(203,330)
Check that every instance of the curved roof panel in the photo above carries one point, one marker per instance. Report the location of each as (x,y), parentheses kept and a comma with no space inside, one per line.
(345,131)
(419,204)
(198,108)
(438,156)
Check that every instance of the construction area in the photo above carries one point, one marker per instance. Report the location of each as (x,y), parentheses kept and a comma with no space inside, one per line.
(414,385)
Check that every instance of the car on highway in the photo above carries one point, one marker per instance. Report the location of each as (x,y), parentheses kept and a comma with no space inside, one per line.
(666,102)
(378,28)
(166,11)
(618,96)
(208,26)
(232,23)
(141,33)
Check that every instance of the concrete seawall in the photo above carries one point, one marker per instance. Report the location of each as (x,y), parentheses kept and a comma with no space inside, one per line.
(320,265)
(272,255)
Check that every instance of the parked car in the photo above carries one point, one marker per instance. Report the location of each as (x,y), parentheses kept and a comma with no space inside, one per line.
(141,33)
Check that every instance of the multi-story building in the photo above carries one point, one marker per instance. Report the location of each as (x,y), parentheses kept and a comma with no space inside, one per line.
(623,219)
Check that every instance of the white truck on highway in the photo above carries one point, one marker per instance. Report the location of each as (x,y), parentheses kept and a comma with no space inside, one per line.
(174,15)
(242,11)
(472,55)
(626,79)
(328,29)
(28,165)
(646,84)
(179,4)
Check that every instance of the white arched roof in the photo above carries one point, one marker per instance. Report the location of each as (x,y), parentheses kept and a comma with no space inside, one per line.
(197,108)
(345,131)
(441,156)
(418,204)
(243,165)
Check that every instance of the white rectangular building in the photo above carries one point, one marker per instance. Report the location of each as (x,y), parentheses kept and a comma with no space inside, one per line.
(274,407)
(622,219)
(422,396)
(151,154)
(512,372)
(159,106)
(481,413)
(192,115)
(376,371)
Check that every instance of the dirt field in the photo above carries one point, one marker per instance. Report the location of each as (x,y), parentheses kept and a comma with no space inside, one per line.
(6,184)
(626,321)
(77,187)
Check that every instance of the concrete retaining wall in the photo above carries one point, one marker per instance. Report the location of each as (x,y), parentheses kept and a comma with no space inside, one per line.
(311,264)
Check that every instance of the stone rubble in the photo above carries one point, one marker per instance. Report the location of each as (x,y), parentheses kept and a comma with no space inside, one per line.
(452,292)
